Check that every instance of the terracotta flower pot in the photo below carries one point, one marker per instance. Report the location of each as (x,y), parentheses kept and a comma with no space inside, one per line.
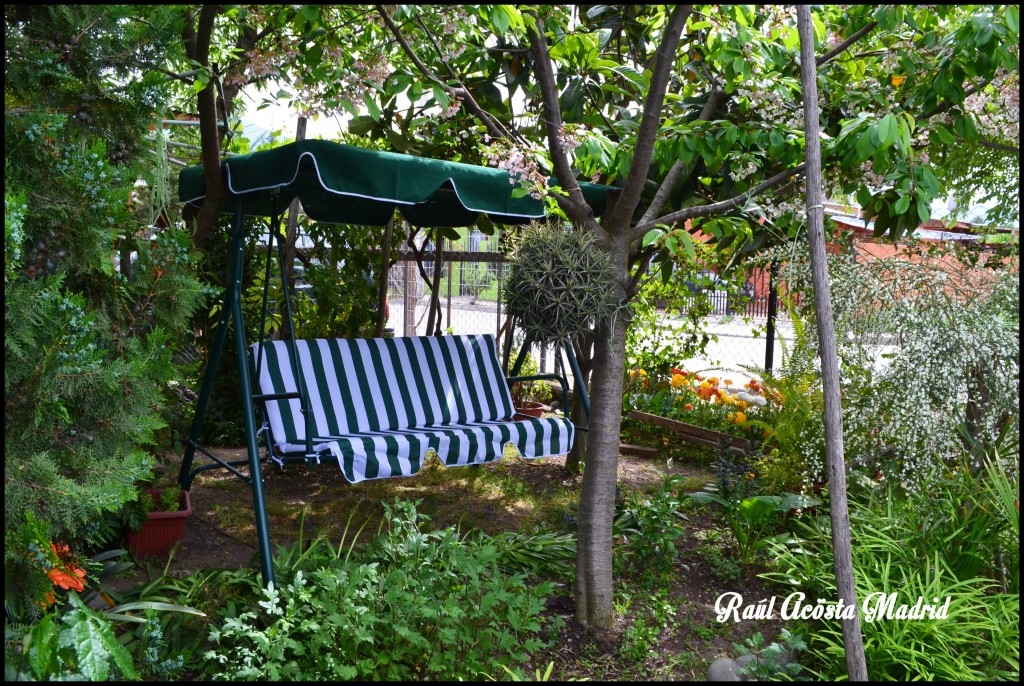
(161,530)
(530,408)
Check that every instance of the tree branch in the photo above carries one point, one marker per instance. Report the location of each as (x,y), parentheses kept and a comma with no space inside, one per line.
(208,131)
(868,28)
(661,197)
(1001,147)
(650,121)
(717,207)
(493,128)
(574,204)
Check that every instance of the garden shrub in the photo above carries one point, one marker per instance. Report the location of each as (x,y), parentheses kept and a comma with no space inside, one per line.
(412,605)
(954,361)
(88,346)
(927,546)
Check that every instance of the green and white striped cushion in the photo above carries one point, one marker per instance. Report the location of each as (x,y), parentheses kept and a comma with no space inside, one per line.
(379,404)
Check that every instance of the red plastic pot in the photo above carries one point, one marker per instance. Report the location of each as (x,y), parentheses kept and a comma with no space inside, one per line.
(161,530)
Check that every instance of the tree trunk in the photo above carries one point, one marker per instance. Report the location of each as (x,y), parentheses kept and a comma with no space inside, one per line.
(853,641)
(594,582)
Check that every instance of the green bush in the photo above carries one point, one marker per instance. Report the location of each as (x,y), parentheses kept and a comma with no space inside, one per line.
(412,605)
(90,336)
(927,546)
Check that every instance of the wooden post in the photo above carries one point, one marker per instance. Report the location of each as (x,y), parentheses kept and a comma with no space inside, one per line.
(773,307)
(291,234)
(385,273)
(839,509)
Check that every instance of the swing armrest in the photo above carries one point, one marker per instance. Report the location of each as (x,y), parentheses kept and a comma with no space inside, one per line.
(538,377)
(278,396)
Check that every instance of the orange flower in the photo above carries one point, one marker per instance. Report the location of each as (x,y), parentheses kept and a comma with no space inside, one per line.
(740,417)
(898,80)
(678,380)
(68,581)
(47,600)
(62,550)
(688,406)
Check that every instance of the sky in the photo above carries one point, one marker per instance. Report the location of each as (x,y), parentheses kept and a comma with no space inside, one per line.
(257,124)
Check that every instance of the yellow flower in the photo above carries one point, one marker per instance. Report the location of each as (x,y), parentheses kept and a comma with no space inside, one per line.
(740,417)
(742,404)
(731,400)
(731,417)
(678,380)
(728,382)
(705,385)
(713,381)
(897,80)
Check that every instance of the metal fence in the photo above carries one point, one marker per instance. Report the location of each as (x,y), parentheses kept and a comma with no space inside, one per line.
(472,278)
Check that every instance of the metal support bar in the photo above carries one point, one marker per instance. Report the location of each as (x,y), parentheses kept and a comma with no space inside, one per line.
(220,464)
(522,355)
(578,376)
(184,477)
(255,473)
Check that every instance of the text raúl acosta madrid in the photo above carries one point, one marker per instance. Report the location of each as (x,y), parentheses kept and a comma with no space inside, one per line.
(875,607)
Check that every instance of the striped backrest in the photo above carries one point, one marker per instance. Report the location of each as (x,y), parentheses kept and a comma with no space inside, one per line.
(382,384)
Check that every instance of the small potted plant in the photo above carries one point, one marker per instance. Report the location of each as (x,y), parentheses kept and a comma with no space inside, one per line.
(155,521)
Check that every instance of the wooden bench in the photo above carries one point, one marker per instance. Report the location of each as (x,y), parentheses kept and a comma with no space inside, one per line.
(379,405)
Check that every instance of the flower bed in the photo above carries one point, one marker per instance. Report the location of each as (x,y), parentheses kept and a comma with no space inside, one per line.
(703,410)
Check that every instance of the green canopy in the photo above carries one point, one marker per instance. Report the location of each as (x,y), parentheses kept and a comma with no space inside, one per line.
(343,184)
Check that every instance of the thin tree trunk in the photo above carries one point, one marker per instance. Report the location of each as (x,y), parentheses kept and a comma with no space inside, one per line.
(853,641)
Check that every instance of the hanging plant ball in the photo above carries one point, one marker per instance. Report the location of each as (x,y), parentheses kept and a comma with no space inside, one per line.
(559,282)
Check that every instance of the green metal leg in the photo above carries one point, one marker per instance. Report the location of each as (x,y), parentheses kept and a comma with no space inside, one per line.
(578,376)
(522,356)
(255,473)
(185,475)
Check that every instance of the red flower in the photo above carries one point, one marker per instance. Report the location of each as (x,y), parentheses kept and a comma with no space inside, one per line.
(68,581)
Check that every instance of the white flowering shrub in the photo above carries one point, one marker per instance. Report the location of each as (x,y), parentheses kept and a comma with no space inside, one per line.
(917,343)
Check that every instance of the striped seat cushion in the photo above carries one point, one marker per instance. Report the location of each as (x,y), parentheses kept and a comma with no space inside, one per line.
(380,404)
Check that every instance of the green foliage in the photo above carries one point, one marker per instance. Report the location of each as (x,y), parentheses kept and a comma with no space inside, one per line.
(749,516)
(88,349)
(641,637)
(649,527)
(343,272)
(526,391)
(774,662)
(537,553)
(941,338)
(78,645)
(654,341)
(414,605)
(913,548)
(559,282)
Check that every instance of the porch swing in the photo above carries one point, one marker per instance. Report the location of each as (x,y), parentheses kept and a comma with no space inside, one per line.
(374,406)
